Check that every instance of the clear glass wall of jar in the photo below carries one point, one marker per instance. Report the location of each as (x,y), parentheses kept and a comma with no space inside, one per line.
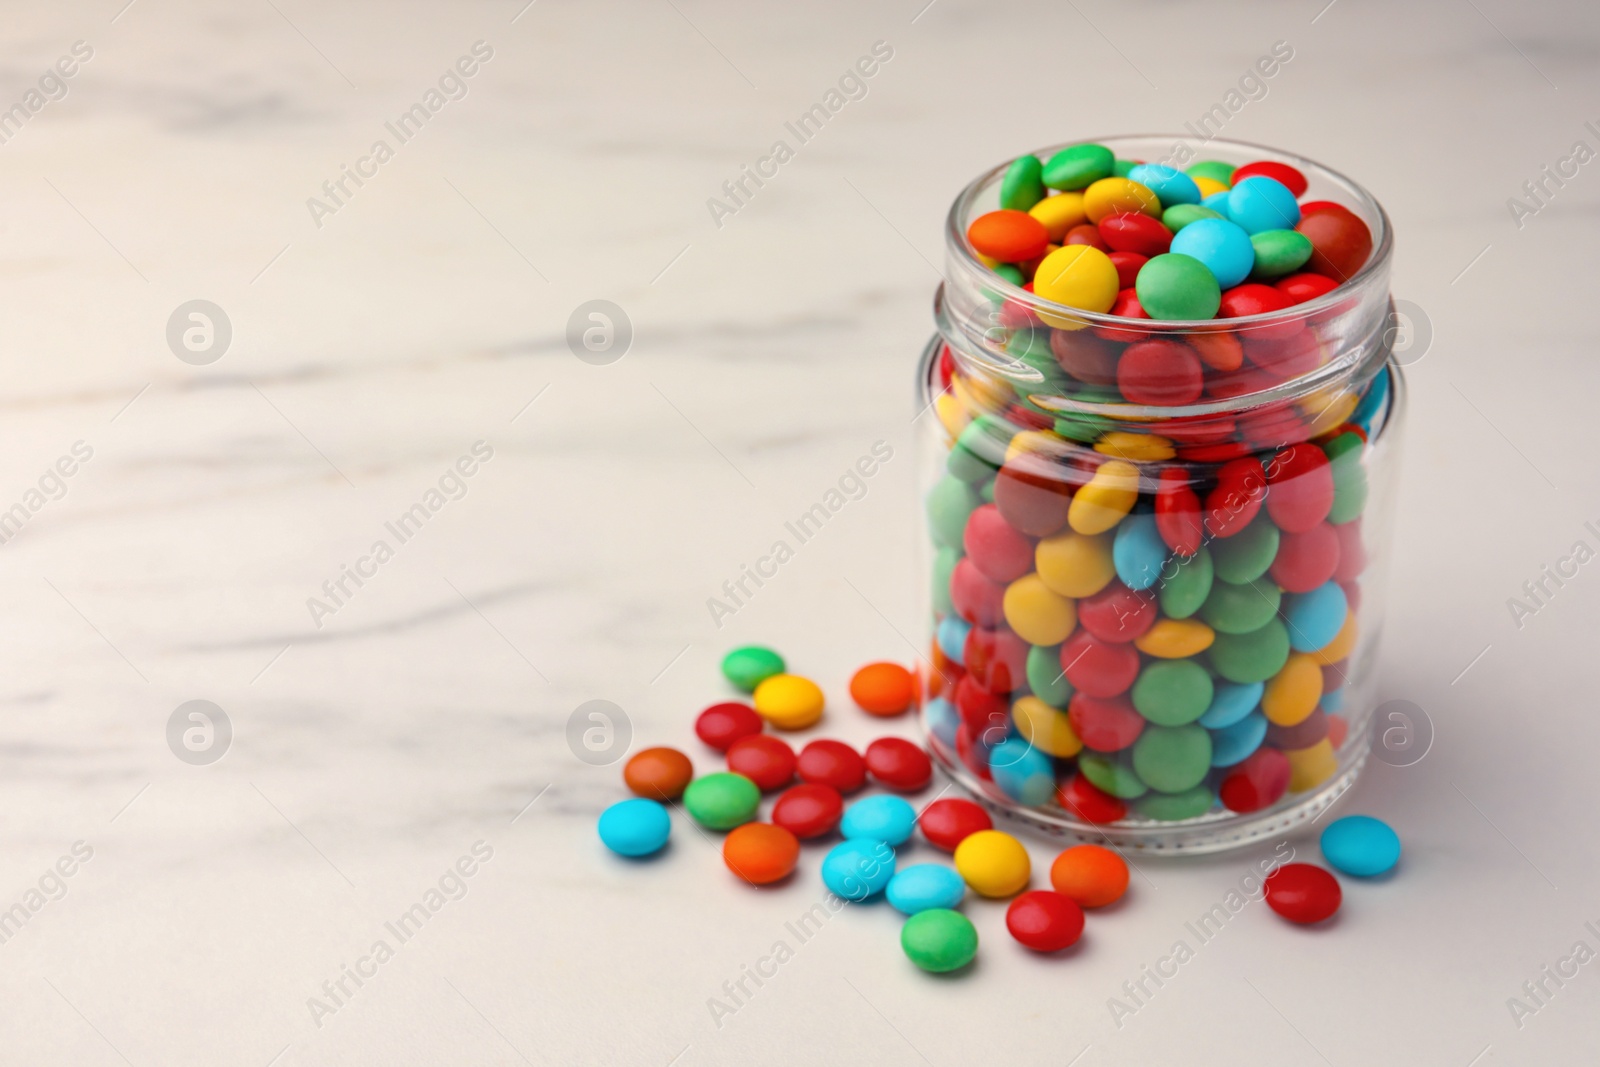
(1156,624)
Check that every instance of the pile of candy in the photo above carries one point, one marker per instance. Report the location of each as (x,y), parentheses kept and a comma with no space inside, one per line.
(993,864)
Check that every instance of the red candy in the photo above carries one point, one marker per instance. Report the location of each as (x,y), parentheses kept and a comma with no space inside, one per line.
(1126,306)
(1251,298)
(1303,893)
(974,755)
(1306,560)
(1009,236)
(995,547)
(979,708)
(1302,287)
(946,823)
(1160,372)
(1034,505)
(1127,264)
(832,763)
(808,810)
(1257,782)
(1085,800)
(1285,357)
(1340,243)
(976,598)
(1236,500)
(1084,356)
(1352,553)
(1338,730)
(1085,235)
(1300,488)
(1290,178)
(764,759)
(1117,614)
(1135,232)
(1044,920)
(1219,351)
(1178,512)
(898,764)
(1105,724)
(996,659)
(721,725)
(1312,207)
(1096,667)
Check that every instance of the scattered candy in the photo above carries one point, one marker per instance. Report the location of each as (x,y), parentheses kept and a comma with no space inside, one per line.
(1091,875)
(658,773)
(881,817)
(1302,893)
(636,827)
(923,886)
(748,667)
(832,763)
(808,811)
(760,853)
(993,863)
(721,725)
(1044,920)
(939,940)
(949,821)
(788,701)
(883,688)
(766,760)
(722,801)
(858,868)
(897,764)
(1360,845)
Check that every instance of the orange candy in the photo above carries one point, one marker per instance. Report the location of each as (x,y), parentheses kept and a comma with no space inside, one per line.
(760,853)
(658,773)
(1008,236)
(1092,876)
(883,688)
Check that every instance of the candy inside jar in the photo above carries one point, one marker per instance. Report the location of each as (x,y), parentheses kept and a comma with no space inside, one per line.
(1157,472)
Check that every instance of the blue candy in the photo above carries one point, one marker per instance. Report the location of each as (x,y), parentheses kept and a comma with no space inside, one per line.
(1217,202)
(1315,618)
(1232,744)
(1222,246)
(952,638)
(635,827)
(943,719)
(1361,845)
(1170,184)
(1333,702)
(1260,203)
(1373,401)
(924,886)
(1230,702)
(881,817)
(1138,552)
(858,868)
(1022,772)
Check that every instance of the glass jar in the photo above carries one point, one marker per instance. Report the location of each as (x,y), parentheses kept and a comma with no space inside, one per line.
(1152,623)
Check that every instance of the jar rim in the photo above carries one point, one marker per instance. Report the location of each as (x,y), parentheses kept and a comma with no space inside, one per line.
(961,252)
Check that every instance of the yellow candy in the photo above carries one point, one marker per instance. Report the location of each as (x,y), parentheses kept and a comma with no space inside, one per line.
(1310,767)
(1175,638)
(1075,565)
(1034,443)
(789,701)
(1113,196)
(987,261)
(1208,186)
(1110,494)
(952,415)
(1059,213)
(1079,276)
(978,395)
(1342,644)
(1292,694)
(1045,727)
(1139,447)
(993,863)
(1039,615)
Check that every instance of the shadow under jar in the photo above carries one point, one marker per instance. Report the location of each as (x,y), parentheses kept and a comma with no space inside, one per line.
(1156,624)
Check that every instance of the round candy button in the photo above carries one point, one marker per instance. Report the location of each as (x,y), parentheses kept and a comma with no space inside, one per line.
(808,810)
(948,822)
(1361,845)
(1303,893)
(832,763)
(1044,920)
(760,853)
(635,827)
(939,940)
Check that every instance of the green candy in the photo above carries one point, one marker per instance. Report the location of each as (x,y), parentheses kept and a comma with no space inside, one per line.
(1022,187)
(1172,692)
(1011,273)
(1243,608)
(1246,555)
(1082,427)
(1251,657)
(1172,759)
(1110,775)
(1178,216)
(1045,676)
(1214,169)
(1176,286)
(944,564)
(1033,348)
(968,456)
(722,801)
(1175,807)
(1279,252)
(939,940)
(1079,167)
(1182,594)
(1123,167)
(1349,477)
(949,503)
(751,665)
(986,491)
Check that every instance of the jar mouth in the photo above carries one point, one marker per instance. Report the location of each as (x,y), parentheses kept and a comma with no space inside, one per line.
(960,253)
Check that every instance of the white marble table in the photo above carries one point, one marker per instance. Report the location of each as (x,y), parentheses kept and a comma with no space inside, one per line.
(376,339)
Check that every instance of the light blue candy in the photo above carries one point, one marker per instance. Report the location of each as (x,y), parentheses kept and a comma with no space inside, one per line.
(1232,744)
(858,868)
(1333,702)
(635,827)
(1261,203)
(1022,772)
(1315,618)
(1221,245)
(1230,702)
(1373,401)
(924,886)
(1217,202)
(1169,184)
(1138,552)
(952,638)
(881,817)
(943,719)
(1361,845)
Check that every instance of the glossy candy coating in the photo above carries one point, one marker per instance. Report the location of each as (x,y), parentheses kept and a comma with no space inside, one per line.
(635,827)
(751,665)
(658,773)
(1360,845)
(949,821)
(789,701)
(939,940)
(833,763)
(1303,893)
(1091,875)
(993,863)
(858,868)
(760,853)
(881,817)
(722,800)
(808,810)
(721,725)
(767,761)
(898,764)
(886,688)
(923,886)
(1044,920)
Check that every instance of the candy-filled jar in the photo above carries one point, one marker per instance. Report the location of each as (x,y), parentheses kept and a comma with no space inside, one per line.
(1158,475)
